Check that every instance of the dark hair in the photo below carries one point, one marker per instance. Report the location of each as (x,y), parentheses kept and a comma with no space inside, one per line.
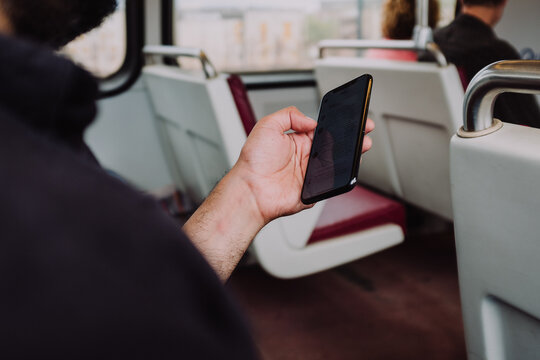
(399,18)
(483,2)
(55,22)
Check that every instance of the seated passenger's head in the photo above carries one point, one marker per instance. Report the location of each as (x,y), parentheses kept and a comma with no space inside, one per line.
(53,22)
(399,18)
(490,11)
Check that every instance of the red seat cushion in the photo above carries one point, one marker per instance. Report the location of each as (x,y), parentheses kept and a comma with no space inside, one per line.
(239,93)
(359,209)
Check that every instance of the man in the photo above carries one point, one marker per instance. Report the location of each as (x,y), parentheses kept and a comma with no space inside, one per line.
(90,268)
(470,43)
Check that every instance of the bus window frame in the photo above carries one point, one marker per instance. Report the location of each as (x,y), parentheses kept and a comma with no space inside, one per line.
(167,22)
(167,29)
(131,67)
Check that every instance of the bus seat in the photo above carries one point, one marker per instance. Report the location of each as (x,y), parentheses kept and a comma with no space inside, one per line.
(496,207)
(417,109)
(495,174)
(202,119)
(358,210)
(202,136)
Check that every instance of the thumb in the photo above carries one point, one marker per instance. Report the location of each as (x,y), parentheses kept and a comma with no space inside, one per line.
(300,122)
(291,119)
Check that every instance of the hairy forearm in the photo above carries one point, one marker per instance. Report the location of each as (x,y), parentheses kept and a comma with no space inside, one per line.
(225,224)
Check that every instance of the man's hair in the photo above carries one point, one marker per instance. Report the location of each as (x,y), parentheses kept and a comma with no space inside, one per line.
(399,18)
(489,3)
(55,22)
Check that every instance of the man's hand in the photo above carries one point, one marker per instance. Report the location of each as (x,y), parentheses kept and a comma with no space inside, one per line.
(273,162)
(265,183)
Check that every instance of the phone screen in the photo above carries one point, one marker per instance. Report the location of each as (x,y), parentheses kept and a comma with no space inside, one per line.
(337,143)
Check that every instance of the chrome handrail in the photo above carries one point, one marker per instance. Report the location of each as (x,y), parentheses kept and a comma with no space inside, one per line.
(175,51)
(356,44)
(517,76)
(365,44)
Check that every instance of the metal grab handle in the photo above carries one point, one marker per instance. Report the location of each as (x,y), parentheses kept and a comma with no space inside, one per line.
(431,47)
(176,51)
(517,76)
(365,44)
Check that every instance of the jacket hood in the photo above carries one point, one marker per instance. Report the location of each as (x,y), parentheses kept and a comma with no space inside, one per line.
(44,90)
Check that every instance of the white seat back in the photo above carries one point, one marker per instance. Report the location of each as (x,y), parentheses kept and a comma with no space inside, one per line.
(495,170)
(417,109)
(495,181)
(202,135)
(199,125)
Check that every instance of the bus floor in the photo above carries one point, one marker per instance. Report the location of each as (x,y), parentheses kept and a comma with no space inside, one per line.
(402,303)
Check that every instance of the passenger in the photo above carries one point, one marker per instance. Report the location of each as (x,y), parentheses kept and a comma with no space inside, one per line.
(399,20)
(470,43)
(89,267)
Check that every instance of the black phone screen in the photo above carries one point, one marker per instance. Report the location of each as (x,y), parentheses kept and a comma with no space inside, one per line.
(335,152)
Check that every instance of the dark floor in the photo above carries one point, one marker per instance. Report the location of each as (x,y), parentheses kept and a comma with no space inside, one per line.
(402,303)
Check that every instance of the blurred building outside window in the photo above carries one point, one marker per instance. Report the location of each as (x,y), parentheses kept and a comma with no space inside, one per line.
(245,35)
(261,35)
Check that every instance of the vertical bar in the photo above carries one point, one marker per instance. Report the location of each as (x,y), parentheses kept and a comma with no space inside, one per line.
(167,28)
(360,7)
(424,14)
(419,13)
(422,32)
(167,22)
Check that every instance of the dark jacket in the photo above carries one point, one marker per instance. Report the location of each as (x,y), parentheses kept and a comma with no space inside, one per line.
(89,267)
(471,45)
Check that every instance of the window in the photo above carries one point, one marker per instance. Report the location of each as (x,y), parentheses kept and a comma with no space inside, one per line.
(103,50)
(247,35)
(261,35)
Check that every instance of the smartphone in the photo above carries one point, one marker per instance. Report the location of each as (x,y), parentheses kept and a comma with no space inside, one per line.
(337,144)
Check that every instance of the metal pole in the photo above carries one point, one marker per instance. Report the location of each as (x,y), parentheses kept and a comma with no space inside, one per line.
(517,76)
(423,17)
(360,7)
(422,32)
